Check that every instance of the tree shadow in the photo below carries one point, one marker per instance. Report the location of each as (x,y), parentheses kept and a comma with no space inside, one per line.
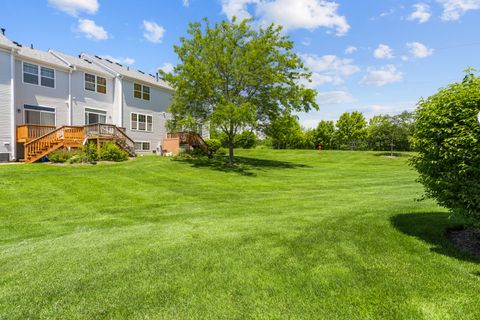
(394,154)
(243,165)
(432,227)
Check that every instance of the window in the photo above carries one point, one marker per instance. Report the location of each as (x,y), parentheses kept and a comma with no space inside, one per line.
(39,115)
(142,146)
(95,83)
(141,122)
(47,77)
(38,75)
(93,116)
(141,92)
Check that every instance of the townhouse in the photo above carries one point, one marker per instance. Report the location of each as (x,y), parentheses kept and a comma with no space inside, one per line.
(50,89)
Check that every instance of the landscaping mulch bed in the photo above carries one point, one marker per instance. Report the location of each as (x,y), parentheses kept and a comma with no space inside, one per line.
(466,239)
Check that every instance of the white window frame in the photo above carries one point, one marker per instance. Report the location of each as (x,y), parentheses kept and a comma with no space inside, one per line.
(25,109)
(96,83)
(100,113)
(142,86)
(146,122)
(39,75)
(142,142)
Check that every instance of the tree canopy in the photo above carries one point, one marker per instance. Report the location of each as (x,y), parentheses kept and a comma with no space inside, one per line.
(237,77)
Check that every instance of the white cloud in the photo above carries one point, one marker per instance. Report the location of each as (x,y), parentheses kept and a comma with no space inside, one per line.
(329,68)
(334,97)
(350,50)
(185,3)
(383,52)
(306,42)
(74,7)
(382,76)
(153,32)
(92,30)
(419,50)
(421,13)
(291,14)
(125,61)
(166,67)
(454,9)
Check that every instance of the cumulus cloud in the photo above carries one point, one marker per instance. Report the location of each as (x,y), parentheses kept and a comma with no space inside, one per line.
(166,67)
(383,52)
(329,68)
(454,9)
(382,76)
(74,7)
(421,12)
(334,97)
(126,61)
(301,14)
(419,50)
(350,50)
(152,31)
(91,30)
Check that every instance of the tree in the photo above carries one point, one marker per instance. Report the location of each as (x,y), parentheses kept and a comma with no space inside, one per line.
(390,132)
(324,134)
(246,140)
(447,138)
(351,130)
(286,133)
(237,77)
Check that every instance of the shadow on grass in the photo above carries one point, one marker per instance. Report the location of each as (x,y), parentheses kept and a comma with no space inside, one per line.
(243,165)
(432,228)
(394,154)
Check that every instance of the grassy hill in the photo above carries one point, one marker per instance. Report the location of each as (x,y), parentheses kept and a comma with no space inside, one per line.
(286,235)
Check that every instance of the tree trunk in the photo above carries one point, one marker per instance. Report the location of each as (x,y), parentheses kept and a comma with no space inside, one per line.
(230,152)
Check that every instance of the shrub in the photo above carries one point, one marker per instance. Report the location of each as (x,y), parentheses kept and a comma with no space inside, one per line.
(62,155)
(213,145)
(90,152)
(245,140)
(111,152)
(447,138)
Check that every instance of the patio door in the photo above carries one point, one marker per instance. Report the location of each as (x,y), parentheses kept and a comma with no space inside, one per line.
(94,116)
(39,115)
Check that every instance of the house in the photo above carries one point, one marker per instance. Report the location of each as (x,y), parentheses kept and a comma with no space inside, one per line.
(50,100)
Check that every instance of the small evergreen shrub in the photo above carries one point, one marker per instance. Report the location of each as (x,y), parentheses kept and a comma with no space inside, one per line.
(90,152)
(213,145)
(111,152)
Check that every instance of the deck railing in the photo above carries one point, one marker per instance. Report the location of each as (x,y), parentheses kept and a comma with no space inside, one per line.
(28,132)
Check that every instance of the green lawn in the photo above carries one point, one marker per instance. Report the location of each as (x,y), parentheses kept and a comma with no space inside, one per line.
(287,235)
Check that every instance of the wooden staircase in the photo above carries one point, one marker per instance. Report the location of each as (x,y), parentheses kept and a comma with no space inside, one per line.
(192,139)
(75,137)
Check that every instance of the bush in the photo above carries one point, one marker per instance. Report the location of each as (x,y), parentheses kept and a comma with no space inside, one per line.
(447,138)
(111,152)
(245,140)
(213,145)
(90,152)
(62,155)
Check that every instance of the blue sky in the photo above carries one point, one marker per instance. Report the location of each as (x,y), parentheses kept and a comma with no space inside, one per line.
(374,56)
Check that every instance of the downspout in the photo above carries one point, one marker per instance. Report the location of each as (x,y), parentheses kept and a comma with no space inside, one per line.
(120,99)
(70,106)
(12,104)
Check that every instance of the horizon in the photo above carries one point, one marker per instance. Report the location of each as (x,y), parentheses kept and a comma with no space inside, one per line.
(376,58)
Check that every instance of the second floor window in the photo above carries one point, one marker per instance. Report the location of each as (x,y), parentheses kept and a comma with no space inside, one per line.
(38,75)
(95,83)
(141,122)
(141,92)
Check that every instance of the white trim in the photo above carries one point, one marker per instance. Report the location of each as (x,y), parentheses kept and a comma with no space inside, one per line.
(143,114)
(39,69)
(12,105)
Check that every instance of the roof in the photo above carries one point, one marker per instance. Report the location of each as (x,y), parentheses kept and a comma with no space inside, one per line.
(5,42)
(82,63)
(132,73)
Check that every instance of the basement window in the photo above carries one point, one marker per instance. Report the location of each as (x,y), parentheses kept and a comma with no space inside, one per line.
(142,146)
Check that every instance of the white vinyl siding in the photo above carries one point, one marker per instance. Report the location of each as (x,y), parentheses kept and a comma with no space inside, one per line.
(38,75)
(141,122)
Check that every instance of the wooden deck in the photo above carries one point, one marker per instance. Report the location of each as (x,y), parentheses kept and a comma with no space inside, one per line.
(40,141)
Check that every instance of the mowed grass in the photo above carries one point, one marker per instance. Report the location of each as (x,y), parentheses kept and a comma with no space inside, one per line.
(287,235)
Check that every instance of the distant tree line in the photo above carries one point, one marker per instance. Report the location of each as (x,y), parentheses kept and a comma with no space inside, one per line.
(350,132)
